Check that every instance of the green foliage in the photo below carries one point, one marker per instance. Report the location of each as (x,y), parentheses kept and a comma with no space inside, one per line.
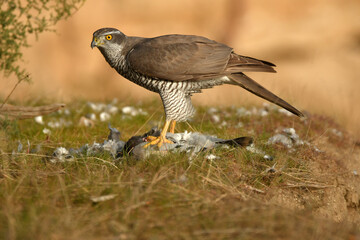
(21,18)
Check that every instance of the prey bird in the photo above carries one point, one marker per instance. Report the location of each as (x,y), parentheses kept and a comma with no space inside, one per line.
(177,66)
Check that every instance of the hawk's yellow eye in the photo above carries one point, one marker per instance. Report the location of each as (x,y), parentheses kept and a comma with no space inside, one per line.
(108,37)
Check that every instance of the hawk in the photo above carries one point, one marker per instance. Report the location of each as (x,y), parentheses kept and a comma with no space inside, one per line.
(177,66)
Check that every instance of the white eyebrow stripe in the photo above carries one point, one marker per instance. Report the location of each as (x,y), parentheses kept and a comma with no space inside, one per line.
(112,32)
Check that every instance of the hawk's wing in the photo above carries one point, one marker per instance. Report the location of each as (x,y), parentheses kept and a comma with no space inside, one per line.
(187,57)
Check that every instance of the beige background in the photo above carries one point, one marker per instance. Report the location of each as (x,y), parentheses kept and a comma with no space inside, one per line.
(314,43)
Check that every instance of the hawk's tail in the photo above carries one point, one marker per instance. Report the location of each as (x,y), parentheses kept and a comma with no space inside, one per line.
(245,82)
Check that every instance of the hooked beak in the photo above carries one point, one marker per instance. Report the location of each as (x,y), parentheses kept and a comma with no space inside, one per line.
(96,42)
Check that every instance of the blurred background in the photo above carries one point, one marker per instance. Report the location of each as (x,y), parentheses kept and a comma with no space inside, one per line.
(314,43)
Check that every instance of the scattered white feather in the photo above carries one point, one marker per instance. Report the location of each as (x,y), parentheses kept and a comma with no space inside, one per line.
(127,110)
(212,110)
(263,112)
(91,116)
(94,149)
(285,112)
(241,112)
(336,132)
(84,121)
(61,154)
(61,151)
(215,118)
(39,120)
(253,149)
(132,111)
(186,136)
(60,123)
(271,169)
(289,138)
(103,198)
(54,124)
(104,116)
(97,107)
(211,157)
(223,124)
(112,109)
(67,111)
(280,138)
(46,131)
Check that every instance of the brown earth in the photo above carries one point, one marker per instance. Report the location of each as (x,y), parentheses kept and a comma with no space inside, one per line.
(331,188)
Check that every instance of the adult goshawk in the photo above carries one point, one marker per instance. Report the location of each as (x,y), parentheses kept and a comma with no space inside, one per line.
(177,66)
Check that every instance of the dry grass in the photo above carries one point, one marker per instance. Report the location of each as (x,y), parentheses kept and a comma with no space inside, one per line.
(307,194)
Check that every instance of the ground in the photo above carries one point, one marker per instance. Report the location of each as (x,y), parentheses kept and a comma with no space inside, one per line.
(306,191)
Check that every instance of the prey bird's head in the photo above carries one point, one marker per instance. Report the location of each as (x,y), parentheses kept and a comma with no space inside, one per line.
(108,38)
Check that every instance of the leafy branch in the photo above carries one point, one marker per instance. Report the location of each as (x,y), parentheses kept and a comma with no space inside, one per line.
(19,19)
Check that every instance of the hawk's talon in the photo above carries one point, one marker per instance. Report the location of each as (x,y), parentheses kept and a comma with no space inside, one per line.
(160,139)
(151,138)
(157,140)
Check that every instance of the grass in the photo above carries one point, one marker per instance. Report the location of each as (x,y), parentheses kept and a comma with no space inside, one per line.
(172,196)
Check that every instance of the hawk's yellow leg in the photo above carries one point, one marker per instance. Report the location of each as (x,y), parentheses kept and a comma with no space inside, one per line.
(160,139)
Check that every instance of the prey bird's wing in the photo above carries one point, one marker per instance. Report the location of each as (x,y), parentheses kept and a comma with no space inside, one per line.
(187,57)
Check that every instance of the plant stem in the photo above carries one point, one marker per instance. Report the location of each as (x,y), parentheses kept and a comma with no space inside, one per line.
(18,82)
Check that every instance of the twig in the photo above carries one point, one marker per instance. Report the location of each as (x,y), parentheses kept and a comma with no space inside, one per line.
(252,188)
(23,154)
(20,112)
(18,82)
(129,209)
(146,122)
(314,186)
(231,189)
(102,160)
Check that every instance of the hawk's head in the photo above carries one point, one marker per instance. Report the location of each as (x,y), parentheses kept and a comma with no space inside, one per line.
(110,42)
(107,38)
